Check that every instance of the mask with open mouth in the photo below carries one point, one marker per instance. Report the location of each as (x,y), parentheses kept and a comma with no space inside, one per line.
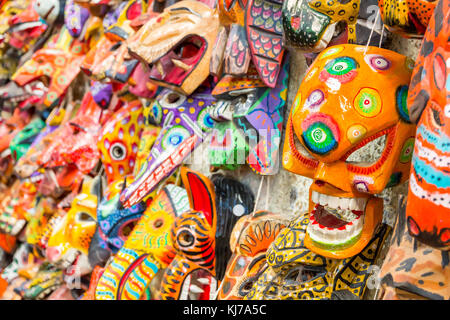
(313,25)
(185,121)
(177,45)
(264,36)
(428,214)
(252,133)
(413,270)
(356,155)
(201,236)
(25,28)
(407,17)
(249,242)
(68,244)
(147,250)
(24,139)
(11,222)
(295,272)
(22,258)
(55,66)
(75,18)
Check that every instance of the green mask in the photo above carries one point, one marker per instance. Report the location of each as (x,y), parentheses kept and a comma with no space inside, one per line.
(23,140)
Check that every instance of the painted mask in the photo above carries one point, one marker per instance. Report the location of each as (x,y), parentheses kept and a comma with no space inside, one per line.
(264,36)
(38,221)
(295,272)
(8,12)
(52,69)
(25,28)
(249,241)
(75,18)
(22,258)
(428,214)
(22,141)
(95,278)
(200,239)
(47,280)
(119,141)
(313,25)
(71,236)
(413,270)
(185,121)
(407,17)
(52,11)
(10,221)
(147,250)
(356,155)
(253,113)
(179,59)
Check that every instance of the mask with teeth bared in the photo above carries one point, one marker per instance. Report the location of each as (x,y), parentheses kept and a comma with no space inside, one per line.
(353,137)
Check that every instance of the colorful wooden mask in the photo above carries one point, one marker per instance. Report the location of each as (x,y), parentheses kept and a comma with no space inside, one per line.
(413,270)
(22,258)
(184,121)
(295,272)
(428,210)
(252,133)
(25,28)
(249,241)
(264,36)
(69,242)
(148,249)
(54,68)
(179,59)
(407,17)
(47,280)
(201,235)
(52,11)
(355,155)
(313,25)
(75,18)
(22,141)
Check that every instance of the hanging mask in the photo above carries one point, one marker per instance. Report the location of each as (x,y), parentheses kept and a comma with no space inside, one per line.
(25,28)
(8,11)
(51,11)
(147,250)
(427,212)
(52,69)
(69,242)
(75,18)
(295,272)
(355,155)
(201,236)
(185,121)
(313,25)
(38,221)
(254,115)
(249,241)
(47,280)
(22,141)
(413,270)
(264,36)
(22,258)
(177,45)
(407,17)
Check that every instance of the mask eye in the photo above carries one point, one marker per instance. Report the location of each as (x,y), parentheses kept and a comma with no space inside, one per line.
(172,100)
(118,151)
(185,238)
(369,153)
(299,275)
(84,217)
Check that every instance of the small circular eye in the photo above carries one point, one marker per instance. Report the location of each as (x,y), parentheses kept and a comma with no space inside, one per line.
(84,217)
(377,62)
(158,223)
(172,100)
(185,238)
(118,151)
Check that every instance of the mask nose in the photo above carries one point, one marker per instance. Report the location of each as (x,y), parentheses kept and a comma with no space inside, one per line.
(335,174)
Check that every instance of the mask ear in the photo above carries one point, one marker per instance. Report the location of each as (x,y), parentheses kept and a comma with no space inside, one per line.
(200,189)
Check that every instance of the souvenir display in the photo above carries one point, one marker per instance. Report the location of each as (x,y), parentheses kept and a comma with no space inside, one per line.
(137,137)
(428,209)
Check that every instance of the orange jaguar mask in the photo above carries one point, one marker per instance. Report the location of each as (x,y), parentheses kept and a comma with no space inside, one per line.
(351,136)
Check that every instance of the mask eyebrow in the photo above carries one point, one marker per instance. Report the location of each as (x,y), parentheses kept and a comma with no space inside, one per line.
(185,9)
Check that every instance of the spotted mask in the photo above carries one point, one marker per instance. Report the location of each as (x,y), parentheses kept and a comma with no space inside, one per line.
(428,215)
(295,272)
(407,17)
(354,139)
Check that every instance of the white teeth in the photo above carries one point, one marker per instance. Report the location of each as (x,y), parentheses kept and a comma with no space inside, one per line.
(203,280)
(315,197)
(358,204)
(195,289)
(181,64)
(323,199)
(185,289)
